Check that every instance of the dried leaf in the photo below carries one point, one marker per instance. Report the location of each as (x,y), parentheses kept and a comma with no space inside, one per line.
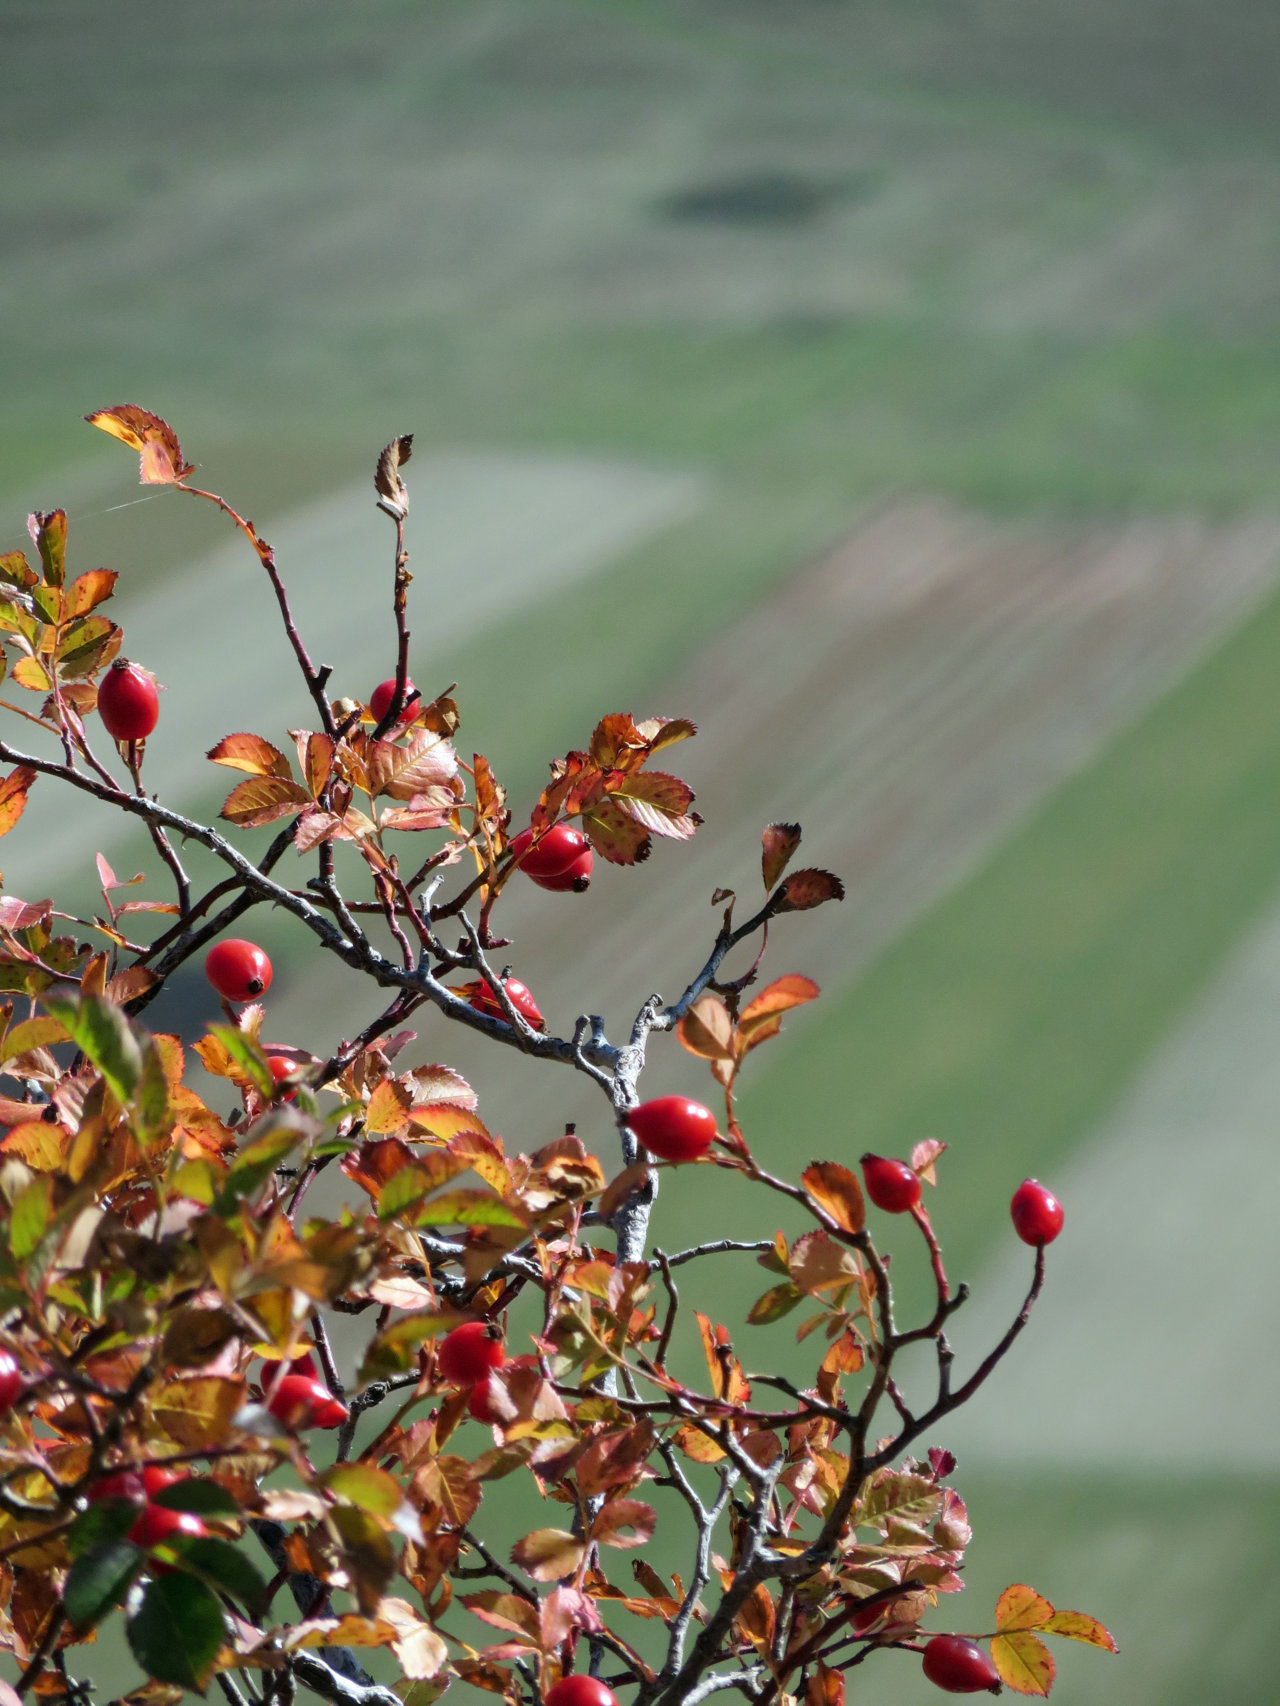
(780,842)
(805,889)
(386,479)
(162,462)
(924,1156)
(549,1554)
(1024,1662)
(825,1687)
(819,1263)
(615,834)
(707,1030)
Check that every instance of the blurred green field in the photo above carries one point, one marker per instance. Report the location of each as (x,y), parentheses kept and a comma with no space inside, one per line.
(812,253)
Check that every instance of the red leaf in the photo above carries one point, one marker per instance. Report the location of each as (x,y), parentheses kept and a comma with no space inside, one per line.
(18,914)
(780,842)
(805,889)
(624,1523)
(162,461)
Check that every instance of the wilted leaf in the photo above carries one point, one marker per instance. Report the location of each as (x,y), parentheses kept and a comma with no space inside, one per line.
(386,479)
(177,1631)
(780,842)
(161,457)
(1024,1662)
(924,1157)
(250,752)
(549,1554)
(836,1190)
(1079,1626)
(805,889)
(262,799)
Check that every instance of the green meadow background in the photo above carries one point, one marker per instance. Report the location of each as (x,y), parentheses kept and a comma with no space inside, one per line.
(760,269)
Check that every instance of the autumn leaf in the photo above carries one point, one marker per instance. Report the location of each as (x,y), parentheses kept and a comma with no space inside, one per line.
(161,459)
(549,1554)
(805,889)
(197,1412)
(1079,1626)
(1020,1607)
(615,834)
(49,535)
(13,796)
(659,802)
(262,799)
(924,1158)
(836,1190)
(707,1030)
(780,842)
(250,752)
(391,489)
(624,1523)
(1024,1662)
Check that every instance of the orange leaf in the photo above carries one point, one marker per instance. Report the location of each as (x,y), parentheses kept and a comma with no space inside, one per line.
(13,796)
(89,590)
(1079,1626)
(1021,1607)
(836,1190)
(615,834)
(825,1687)
(262,799)
(780,842)
(388,1108)
(805,889)
(549,1554)
(659,802)
(1024,1662)
(252,753)
(161,455)
(707,1030)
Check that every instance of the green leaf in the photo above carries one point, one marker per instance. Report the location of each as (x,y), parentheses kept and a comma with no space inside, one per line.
(30,1218)
(775,1303)
(100,1578)
(177,1631)
(51,542)
(469,1208)
(106,1036)
(247,1056)
(106,1520)
(151,1100)
(258,1160)
(404,1190)
(223,1565)
(205,1498)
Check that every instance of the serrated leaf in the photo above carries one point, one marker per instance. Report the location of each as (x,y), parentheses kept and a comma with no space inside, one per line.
(99,1578)
(805,889)
(837,1191)
(89,590)
(780,841)
(388,1108)
(263,799)
(924,1159)
(1079,1626)
(1021,1607)
(469,1208)
(31,674)
(177,1631)
(41,1032)
(386,479)
(161,461)
(1024,1663)
(50,535)
(224,1565)
(106,1036)
(549,1554)
(250,752)
(659,802)
(13,796)
(246,1055)
(259,1159)
(624,1523)
(778,1301)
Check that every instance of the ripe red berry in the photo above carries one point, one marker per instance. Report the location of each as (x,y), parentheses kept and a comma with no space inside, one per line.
(673,1127)
(281,1068)
(891,1185)
(382,695)
(485,1000)
(579,1691)
(238,970)
(481,1404)
(574,879)
(958,1666)
(556,849)
(301,1401)
(128,702)
(1037,1213)
(470,1352)
(12,1381)
(122,1484)
(157,1523)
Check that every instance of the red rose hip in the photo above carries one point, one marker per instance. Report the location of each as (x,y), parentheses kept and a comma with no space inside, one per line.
(12,1381)
(470,1353)
(281,1067)
(580,1691)
(561,860)
(891,1185)
(1037,1213)
(485,1000)
(382,695)
(959,1666)
(673,1127)
(128,702)
(158,1523)
(238,970)
(574,879)
(302,1401)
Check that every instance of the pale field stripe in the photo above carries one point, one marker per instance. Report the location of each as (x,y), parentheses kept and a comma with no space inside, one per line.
(1154,1342)
(491,534)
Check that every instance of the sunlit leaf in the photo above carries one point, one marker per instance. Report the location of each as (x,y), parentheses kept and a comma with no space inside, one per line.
(1024,1662)
(386,479)
(263,799)
(161,460)
(107,1037)
(1079,1626)
(1021,1607)
(549,1554)
(624,1523)
(780,842)
(805,889)
(196,1411)
(780,1300)
(177,1631)
(250,752)
(837,1191)
(706,1029)
(13,795)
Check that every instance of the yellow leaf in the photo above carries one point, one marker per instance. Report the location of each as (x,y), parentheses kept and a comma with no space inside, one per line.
(1024,1662)
(1079,1626)
(252,753)
(197,1412)
(1021,1607)
(155,440)
(388,1108)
